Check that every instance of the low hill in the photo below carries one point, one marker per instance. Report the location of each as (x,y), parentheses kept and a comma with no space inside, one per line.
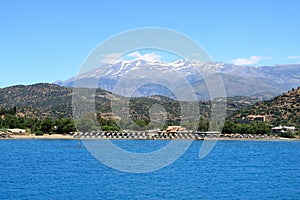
(283,109)
(49,100)
(38,100)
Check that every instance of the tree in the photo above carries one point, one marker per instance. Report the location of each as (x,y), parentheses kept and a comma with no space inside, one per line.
(1,122)
(85,125)
(47,125)
(287,134)
(10,121)
(243,128)
(64,125)
(32,124)
(110,128)
(261,128)
(229,127)
(203,124)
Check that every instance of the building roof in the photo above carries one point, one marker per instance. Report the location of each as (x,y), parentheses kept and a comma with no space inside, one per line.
(16,130)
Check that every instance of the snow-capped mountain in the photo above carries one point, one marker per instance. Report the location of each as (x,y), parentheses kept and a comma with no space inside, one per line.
(265,81)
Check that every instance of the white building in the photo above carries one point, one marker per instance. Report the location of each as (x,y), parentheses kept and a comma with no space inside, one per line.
(283,129)
(16,131)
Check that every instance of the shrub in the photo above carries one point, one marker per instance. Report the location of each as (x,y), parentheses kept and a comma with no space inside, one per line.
(39,133)
(287,134)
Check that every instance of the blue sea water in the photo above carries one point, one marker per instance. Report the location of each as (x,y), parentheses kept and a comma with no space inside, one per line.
(58,169)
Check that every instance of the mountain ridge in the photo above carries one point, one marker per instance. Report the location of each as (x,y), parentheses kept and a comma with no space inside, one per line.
(238,80)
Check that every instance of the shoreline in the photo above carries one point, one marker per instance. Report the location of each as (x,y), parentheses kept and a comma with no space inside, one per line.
(42,137)
(71,137)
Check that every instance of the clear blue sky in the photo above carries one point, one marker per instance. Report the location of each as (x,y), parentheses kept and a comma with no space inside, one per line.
(44,41)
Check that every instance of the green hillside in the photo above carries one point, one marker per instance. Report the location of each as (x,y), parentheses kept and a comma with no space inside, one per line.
(49,100)
(33,106)
(283,109)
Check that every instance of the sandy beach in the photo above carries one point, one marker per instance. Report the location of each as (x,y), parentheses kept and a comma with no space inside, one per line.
(71,137)
(42,137)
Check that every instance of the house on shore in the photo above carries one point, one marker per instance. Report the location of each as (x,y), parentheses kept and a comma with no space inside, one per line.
(16,131)
(283,129)
(175,129)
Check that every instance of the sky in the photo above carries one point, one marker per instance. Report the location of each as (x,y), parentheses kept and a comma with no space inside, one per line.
(45,41)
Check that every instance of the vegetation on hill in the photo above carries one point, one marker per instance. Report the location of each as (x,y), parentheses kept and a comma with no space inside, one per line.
(43,108)
(44,101)
(283,109)
(38,100)
(9,120)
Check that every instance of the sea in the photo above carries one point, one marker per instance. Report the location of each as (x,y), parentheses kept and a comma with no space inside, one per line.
(65,169)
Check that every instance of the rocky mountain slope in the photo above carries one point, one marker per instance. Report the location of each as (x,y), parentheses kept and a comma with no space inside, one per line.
(263,82)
